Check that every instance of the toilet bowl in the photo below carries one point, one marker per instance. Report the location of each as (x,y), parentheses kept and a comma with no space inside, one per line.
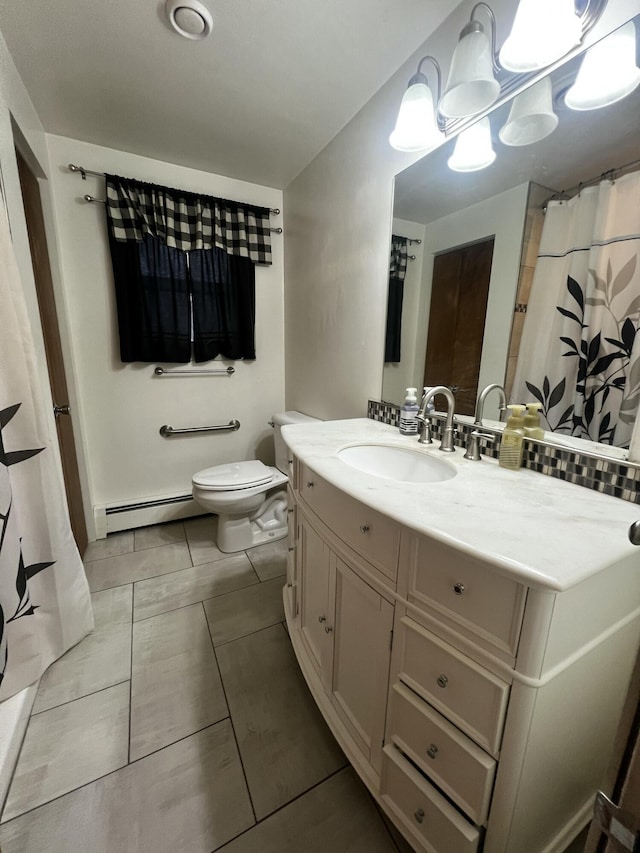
(249,498)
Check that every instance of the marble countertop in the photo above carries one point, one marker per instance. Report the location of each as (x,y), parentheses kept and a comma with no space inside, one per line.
(550,533)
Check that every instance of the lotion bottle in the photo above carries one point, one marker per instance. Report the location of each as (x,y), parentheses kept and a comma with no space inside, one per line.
(408,412)
(532,428)
(512,444)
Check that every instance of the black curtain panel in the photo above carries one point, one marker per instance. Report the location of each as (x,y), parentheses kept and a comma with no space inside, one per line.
(224,305)
(397,272)
(152,298)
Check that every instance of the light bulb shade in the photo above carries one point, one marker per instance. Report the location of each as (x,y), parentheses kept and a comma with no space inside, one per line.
(473,150)
(608,72)
(531,116)
(543,31)
(471,86)
(416,127)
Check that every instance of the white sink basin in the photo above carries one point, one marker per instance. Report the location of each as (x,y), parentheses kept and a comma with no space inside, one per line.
(397,463)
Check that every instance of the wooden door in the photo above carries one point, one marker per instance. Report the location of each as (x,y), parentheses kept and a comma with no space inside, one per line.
(361,654)
(456,321)
(316,616)
(53,347)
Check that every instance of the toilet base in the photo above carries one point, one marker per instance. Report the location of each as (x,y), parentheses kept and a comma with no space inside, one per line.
(268,524)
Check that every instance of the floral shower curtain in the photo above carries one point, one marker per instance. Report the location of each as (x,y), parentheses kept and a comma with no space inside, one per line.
(580,354)
(44,598)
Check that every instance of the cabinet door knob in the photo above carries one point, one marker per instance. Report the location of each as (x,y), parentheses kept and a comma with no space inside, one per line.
(419,815)
(309,484)
(322,618)
(290,461)
(432,751)
(364,528)
(458,588)
(328,629)
(291,510)
(292,548)
(442,681)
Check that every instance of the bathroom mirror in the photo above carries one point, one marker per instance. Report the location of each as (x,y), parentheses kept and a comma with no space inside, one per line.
(451,211)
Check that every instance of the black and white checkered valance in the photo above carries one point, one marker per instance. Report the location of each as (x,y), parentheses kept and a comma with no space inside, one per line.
(187,221)
(398,260)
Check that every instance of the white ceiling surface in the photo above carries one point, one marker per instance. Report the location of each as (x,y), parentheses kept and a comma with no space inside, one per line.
(257,100)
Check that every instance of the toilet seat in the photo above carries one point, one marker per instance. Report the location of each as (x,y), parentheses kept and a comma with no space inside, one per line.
(233,476)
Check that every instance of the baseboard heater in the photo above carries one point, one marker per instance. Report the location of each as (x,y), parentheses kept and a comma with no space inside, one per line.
(113,517)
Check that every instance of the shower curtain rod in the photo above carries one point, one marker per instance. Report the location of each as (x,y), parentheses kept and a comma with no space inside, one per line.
(612,174)
(84,172)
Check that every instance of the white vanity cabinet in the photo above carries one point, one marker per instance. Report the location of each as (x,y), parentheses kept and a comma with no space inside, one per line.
(488,721)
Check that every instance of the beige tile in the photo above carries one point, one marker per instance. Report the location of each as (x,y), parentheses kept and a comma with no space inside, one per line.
(114,544)
(168,592)
(336,816)
(245,611)
(188,798)
(175,686)
(158,534)
(69,746)
(285,744)
(100,660)
(201,535)
(270,560)
(524,287)
(126,568)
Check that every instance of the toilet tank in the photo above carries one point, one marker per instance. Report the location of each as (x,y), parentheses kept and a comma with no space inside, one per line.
(279,421)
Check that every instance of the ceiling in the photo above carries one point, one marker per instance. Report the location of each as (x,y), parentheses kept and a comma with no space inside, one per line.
(257,100)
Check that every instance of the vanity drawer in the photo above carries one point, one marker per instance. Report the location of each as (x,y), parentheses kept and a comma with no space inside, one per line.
(473,698)
(458,767)
(368,532)
(468,592)
(423,810)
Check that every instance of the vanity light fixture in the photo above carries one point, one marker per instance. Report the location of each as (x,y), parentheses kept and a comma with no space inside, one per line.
(416,128)
(608,72)
(543,31)
(473,150)
(531,117)
(472,86)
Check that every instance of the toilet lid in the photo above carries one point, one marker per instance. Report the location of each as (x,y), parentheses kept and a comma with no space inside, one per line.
(234,475)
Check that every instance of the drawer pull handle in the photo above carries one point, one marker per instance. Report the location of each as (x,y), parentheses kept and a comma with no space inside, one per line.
(419,815)
(442,681)
(432,751)
(364,528)
(328,629)
(458,588)
(291,548)
(289,585)
(309,484)
(290,461)
(322,618)
(289,511)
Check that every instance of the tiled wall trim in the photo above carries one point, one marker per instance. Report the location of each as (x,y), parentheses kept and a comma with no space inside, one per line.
(610,476)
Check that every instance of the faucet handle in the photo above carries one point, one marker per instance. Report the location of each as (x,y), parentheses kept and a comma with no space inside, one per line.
(473,446)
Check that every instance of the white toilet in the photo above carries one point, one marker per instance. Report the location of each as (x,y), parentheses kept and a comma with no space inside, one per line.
(249,498)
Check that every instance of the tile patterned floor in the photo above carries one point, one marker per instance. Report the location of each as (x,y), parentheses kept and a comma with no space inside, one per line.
(183,722)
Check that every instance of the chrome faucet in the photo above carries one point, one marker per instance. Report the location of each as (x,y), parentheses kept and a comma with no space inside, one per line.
(448,434)
(483,396)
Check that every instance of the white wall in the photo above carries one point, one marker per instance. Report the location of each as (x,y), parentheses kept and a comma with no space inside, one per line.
(121,407)
(338,216)
(408,372)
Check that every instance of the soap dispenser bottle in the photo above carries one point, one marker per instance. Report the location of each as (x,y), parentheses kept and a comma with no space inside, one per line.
(512,444)
(408,412)
(532,427)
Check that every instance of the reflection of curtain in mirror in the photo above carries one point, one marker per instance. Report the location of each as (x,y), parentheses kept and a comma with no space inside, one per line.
(397,272)
(580,355)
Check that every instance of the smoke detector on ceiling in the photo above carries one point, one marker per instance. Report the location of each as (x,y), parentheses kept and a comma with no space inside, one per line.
(189,18)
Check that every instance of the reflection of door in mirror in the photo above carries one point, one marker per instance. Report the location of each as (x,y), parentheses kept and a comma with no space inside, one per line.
(459,294)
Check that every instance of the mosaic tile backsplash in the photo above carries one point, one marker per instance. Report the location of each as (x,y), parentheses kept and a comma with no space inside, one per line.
(610,476)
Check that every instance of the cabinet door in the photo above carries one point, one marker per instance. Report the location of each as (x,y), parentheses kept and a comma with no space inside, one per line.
(316,622)
(362,649)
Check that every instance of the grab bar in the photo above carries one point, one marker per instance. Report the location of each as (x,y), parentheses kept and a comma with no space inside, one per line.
(167,431)
(209,371)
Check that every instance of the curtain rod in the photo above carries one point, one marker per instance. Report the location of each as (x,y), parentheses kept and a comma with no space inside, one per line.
(84,172)
(611,174)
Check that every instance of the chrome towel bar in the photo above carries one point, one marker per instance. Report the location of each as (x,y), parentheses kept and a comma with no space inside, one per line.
(167,431)
(203,371)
